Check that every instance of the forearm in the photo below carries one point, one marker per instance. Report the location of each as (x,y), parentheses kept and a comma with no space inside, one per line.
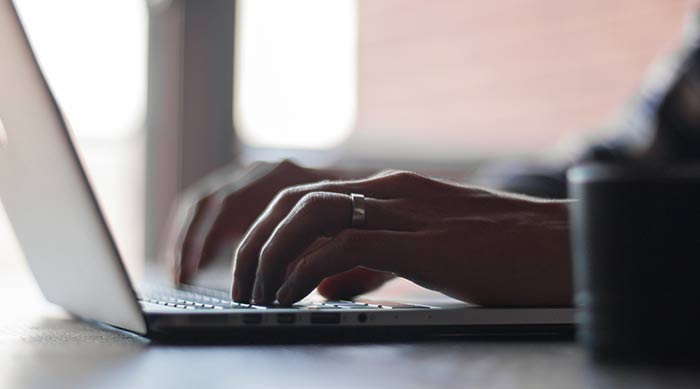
(542,273)
(517,254)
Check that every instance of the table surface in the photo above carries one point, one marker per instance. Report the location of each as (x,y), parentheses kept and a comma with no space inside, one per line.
(41,346)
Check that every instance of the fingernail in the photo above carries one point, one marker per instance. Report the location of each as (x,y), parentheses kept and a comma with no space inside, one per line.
(185,272)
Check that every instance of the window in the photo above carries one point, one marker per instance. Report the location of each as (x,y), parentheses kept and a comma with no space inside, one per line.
(449,79)
(295,72)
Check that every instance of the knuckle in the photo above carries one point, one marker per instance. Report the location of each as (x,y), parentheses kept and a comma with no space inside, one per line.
(404,175)
(303,267)
(303,264)
(404,182)
(346,240)
(265,253)
(398,177)
(191,195)
(239,258)
(286,165)
(288,195)
(311,202)
(204,202)
(283,194)
(224,194)
(385,172)
(201,194)
(309,269)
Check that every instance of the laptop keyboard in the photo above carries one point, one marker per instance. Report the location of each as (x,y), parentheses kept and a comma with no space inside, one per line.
(197,298)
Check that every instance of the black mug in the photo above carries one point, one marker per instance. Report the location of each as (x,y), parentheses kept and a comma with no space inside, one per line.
(635,235)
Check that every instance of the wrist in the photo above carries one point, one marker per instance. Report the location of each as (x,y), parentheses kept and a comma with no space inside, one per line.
(333,173)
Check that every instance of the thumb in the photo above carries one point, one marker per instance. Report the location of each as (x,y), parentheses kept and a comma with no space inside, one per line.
(352,283)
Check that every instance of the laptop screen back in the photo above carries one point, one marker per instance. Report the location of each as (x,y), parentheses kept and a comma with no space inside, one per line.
(48,198)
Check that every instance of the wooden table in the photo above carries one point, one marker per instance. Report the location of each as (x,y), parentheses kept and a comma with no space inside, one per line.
(42,347)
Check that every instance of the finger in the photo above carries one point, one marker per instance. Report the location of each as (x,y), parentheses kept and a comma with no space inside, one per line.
(247,255)
(241,205)
(312,247)
(386,251)
(223,223)
(181,224)
(215,238)
(185,220)
(178,221)
(352,283)
(193,239)
(248,252)
(318,214)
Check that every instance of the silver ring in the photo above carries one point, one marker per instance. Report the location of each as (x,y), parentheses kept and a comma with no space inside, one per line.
(358,210)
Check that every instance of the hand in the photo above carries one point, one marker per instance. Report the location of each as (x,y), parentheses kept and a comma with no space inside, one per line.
(472,244)
(220,208)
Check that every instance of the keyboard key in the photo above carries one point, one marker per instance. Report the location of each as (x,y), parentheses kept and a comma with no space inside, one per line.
(344,303)
(200,298)
(319,307)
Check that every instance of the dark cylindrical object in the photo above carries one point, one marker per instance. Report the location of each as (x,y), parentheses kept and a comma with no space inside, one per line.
(636,251)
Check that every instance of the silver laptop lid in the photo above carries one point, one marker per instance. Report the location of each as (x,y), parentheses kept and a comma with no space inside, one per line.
(48,198)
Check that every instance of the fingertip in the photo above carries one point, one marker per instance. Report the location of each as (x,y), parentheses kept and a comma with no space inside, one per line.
(283,295)
(188,271)
(181,278)
(184,275)
(352,283)
(327,290)
(258,297)
(240,291)
(235,291)
(334,293)
(175,273)
(341,286)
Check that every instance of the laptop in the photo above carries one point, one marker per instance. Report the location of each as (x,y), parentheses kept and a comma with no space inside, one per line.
(77,265)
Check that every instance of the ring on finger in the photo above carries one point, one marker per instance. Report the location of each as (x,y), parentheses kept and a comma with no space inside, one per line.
(358,210)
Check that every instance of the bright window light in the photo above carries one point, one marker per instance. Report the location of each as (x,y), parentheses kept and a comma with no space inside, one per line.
(93,54)
(295,84)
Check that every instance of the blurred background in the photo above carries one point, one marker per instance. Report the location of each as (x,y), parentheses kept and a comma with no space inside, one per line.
(161,92)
